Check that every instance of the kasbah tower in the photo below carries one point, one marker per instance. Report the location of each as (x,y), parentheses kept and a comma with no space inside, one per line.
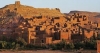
(44,25)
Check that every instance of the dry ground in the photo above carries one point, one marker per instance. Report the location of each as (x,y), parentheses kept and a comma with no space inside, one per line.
(42,51)
(34,51)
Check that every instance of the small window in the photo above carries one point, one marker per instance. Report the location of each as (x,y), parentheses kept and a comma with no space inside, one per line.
(42,41)
(15,9)
(66,30)
(57,18)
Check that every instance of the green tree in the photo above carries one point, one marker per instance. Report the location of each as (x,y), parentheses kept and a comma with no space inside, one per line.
(70,46)
(21,41)
(3,44)
(13,45)
(91,44)
(79,45)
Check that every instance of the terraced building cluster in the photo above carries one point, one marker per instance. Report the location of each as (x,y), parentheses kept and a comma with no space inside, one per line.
(44,25)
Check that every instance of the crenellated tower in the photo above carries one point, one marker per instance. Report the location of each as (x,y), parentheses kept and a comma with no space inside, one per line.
(17,3)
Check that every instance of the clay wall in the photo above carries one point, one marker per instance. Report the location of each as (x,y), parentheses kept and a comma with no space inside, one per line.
(48,40)
(65,35)
(88,34)
(98,46)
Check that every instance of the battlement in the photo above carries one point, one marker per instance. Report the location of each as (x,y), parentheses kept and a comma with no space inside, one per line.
(17,3)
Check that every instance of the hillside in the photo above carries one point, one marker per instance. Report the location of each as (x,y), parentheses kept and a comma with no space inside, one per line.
(28,11)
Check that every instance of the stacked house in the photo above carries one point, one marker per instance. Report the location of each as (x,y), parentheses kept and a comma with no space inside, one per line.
(44,25)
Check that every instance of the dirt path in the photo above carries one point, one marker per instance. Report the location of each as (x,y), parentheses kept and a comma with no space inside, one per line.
(44,51)
(34,51)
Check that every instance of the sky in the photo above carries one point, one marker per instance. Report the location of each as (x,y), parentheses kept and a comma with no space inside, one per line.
(65,6)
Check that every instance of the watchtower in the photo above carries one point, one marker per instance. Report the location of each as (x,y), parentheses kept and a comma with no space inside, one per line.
(17,3)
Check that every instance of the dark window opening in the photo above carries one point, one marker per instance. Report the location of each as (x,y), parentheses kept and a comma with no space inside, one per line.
(65,25)
(78,20)
(42,41)
(73,18)
(66,30)
(80,16)
(58,25)
(39,17)
(56,18)
(15,9)
(56,36)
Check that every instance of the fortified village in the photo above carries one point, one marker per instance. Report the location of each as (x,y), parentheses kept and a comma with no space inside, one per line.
(44,25)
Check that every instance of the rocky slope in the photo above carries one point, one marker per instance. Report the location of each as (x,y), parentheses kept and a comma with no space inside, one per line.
(28,11)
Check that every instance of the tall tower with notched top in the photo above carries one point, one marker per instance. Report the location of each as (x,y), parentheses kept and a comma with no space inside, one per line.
(17,3)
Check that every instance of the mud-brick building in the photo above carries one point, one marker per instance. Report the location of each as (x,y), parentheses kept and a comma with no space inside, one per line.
(44,25)
(98,46)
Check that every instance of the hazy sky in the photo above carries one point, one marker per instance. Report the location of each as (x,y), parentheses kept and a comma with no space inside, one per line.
(64,5)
